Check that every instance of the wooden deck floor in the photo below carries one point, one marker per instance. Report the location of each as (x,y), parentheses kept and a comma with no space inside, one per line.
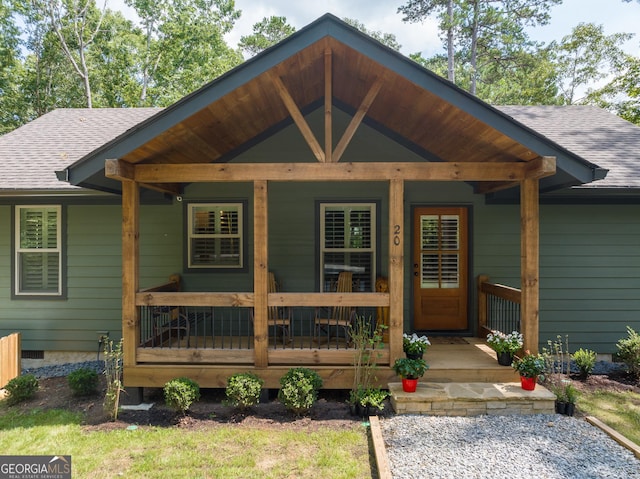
(449,359)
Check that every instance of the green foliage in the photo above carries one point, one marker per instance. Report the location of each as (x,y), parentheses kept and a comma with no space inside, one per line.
(505,343)
(83,382)
(299,389)
(266,33)
(367,345)
(570,393)
(585,360)
(629,352)
(21,388)
(410,368)
(373,398)
(243,390)
(586,56)
(181,393)
(414,344)
(113,373)
(557,357)
(530,365)
(388,39)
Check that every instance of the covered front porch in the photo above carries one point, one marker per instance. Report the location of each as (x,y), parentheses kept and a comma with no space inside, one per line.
(262,137)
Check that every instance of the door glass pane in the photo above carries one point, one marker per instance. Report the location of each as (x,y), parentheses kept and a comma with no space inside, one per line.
(450,276)
(450,232)
(429,268)
(440,245)
(429,227)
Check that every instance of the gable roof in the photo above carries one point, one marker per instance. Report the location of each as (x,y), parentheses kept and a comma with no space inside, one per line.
(31,154)
(438,119)
(591,133)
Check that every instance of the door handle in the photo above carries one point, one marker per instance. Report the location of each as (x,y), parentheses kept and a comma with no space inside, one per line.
(415,265)
(415,273)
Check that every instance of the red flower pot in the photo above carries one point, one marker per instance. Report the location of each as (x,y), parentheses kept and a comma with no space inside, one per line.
(528,384)
(409,385)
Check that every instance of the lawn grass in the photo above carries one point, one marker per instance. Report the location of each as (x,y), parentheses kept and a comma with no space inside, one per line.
(619,410)
(154,452)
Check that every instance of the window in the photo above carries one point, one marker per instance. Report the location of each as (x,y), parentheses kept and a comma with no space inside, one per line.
(215,235)
(38,252)
(440,251)
(348,243)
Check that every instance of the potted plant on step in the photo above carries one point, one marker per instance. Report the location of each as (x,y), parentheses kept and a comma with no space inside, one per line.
(571,395)
(505,345)
(410,370)
(414,346)
(530,367)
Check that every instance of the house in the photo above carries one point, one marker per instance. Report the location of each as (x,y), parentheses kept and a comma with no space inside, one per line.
(328,153)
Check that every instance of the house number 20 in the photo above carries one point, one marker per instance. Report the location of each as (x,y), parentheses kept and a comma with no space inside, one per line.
(396,235)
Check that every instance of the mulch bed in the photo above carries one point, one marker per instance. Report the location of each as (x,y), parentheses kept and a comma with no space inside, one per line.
(331,410)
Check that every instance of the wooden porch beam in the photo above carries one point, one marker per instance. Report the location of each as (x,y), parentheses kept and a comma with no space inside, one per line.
(328,105)
(535,169)
(530,262)
(298,117)
(130,270)
(396,268)
(124,171)
(357,119)
(260,273)
(426,171)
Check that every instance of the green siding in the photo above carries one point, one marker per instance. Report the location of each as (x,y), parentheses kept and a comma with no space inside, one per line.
(590,255)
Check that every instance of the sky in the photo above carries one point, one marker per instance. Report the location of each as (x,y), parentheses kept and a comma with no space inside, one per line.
(381,15)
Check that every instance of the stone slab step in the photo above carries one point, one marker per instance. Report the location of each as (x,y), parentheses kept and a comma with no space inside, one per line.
(471,399)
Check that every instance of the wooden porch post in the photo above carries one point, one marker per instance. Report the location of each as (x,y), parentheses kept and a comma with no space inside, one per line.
(396,268)
(130,270)
(260,270)
(529,261)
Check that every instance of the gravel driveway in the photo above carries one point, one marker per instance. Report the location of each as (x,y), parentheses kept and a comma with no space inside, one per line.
(527,447)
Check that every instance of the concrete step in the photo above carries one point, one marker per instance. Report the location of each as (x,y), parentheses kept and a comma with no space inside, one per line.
(471,399)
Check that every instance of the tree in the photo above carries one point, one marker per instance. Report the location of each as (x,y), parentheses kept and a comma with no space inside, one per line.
(266,33)
(184,46)
(388,39)
(585,57)
(484,31)
(622,94)
(75,23)
(12,113)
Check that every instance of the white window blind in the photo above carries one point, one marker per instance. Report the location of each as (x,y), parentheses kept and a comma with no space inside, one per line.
(440,251)
(38,250)
(347,234)
(215,235)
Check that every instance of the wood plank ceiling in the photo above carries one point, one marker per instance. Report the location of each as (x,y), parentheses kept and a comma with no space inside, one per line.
(400,106)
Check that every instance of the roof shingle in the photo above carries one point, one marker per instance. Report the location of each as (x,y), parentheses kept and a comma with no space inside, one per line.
(31,154)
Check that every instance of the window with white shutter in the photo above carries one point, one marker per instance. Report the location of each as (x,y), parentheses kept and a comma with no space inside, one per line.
(215,235)
(347,243)
(38,251)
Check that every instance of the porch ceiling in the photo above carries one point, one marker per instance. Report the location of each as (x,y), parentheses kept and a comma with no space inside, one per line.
(429,114)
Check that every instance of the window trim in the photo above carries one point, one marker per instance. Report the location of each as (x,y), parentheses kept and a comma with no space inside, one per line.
(60,249)
(373,249)
(242,224)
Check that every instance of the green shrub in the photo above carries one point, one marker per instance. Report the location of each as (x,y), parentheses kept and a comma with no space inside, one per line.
(243,390)
(83,382)
(585,360)
(181,393)
(21,388)
(299,389)
(629,352)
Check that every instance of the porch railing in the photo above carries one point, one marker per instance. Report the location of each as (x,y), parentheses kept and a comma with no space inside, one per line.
(498,307)
(218,328)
